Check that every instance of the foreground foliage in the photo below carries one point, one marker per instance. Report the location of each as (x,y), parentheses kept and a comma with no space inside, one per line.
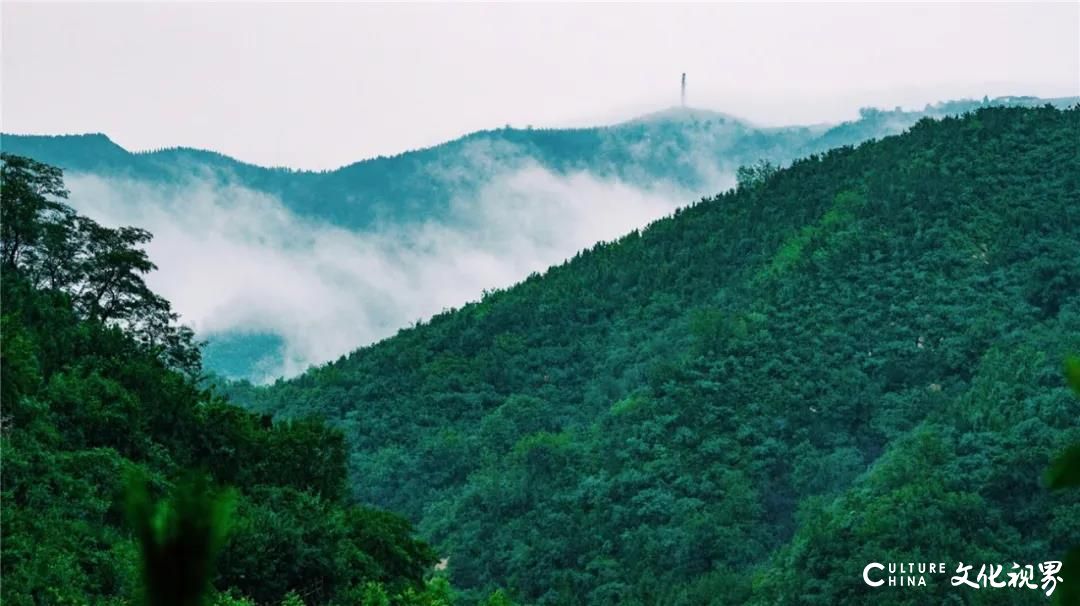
(98,385)
(854,359)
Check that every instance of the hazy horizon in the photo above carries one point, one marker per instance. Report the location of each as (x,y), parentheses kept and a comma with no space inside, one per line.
(320,86)
(644,112)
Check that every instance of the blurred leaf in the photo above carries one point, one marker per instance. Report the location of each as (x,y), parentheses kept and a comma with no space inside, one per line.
(179,538)
(1068,590)
(1072,373)
(1065,470)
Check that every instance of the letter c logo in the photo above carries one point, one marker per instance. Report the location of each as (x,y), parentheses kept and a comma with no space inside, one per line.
(866,574)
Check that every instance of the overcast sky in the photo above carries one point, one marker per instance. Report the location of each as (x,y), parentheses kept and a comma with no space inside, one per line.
(318,86)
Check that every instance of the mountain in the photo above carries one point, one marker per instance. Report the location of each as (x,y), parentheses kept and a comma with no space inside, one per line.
(370,247)
(854,359)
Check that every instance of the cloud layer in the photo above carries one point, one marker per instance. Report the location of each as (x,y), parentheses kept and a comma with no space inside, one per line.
(233,260)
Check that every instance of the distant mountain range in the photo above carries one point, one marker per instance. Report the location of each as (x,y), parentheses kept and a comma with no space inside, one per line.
(691,152)
(690,147)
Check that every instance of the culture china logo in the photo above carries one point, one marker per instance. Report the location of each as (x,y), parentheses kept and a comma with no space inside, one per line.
(988,576)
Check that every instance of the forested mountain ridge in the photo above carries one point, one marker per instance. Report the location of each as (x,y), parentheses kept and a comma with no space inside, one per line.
(685,147)
(512,200)
(851,358)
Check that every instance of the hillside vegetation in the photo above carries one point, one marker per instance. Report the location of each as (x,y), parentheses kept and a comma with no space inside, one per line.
(99,386)
(853,359)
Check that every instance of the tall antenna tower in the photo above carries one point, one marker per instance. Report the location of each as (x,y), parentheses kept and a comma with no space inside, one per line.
(683,95)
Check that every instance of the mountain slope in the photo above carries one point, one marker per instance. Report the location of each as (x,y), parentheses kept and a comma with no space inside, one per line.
(852,358)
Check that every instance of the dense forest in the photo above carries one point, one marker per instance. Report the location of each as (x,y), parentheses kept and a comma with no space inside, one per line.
(100,394)
(853,359)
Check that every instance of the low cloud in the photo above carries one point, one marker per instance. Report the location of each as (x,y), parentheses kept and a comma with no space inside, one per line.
(234,260)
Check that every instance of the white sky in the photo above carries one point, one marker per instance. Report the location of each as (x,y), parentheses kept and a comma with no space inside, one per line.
(317,86)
